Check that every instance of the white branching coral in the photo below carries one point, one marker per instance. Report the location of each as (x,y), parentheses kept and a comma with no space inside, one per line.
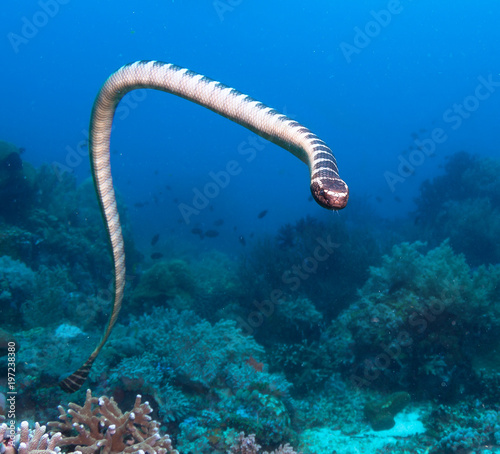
(98,426)
(101,426)
(35,441)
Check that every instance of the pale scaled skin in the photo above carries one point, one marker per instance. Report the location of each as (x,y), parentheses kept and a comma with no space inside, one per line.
(327,188)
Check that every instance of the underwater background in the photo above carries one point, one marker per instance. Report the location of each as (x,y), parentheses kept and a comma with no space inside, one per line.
(259,322)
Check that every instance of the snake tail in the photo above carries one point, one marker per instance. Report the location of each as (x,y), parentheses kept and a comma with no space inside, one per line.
(327,188)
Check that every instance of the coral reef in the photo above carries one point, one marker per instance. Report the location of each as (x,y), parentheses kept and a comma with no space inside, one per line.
(28,442)
(17,284)
(167,282)
(307,365)
(248,445)
(468,427)
(97,426)
(101,425)
(201,376)
(17,183)
(301,260)
(218,285)
(406,329)
(349,335)
(464,206)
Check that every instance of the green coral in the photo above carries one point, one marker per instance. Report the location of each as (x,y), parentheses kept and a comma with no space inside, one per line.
(165,282)
(473,226)
(218,285)
(287,262)
(149,374)
(464,206)
(52,290)
(406,329)
(17,182)
(16,286)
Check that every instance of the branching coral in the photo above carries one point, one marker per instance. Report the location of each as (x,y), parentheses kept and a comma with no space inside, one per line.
(31,441)
(97,426)
(101,426)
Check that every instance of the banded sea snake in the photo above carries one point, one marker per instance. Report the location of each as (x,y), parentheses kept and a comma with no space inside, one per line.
(327,188)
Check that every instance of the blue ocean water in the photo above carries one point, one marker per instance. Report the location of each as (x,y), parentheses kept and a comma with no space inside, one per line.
(364,93)
(394,87)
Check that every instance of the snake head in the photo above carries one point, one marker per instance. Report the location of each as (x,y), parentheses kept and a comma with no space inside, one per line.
(330,193)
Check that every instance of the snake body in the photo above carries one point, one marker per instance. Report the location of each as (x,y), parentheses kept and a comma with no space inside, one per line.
(327,188)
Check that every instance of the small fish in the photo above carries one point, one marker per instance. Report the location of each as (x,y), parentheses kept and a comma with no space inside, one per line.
(211,233)
(242,241)
(156,172)
(397,199)
(211,208)
(168,188)
(414,135)
(197,231)
(22,150)
(156,255)
(252,362)
(218,222)
(155,239)
(261,214)
(140,204)
(378,199)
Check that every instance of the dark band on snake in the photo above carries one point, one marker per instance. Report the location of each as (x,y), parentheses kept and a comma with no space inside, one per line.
(327,188)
